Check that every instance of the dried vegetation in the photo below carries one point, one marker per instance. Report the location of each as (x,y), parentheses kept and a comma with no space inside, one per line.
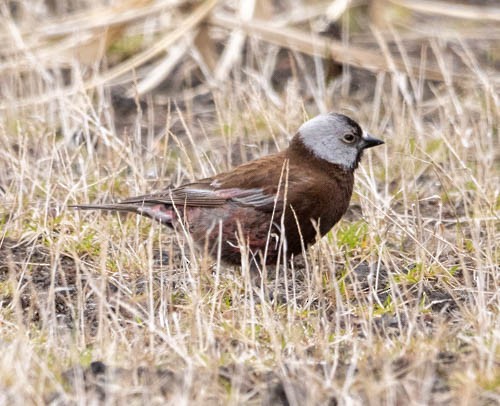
(399,304)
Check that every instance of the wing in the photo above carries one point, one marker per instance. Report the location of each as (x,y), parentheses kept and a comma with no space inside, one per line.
(207,195)
(192,194)
(254,184)
(250,185)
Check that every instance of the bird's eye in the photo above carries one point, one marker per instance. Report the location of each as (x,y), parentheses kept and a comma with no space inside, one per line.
(349,138)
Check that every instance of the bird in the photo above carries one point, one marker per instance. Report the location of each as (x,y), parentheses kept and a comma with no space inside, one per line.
(274,207)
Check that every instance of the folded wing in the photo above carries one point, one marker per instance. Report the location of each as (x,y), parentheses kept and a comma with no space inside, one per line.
(252,185)
(206,195)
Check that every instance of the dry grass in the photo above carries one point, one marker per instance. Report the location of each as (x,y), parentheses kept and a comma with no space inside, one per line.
(399,304)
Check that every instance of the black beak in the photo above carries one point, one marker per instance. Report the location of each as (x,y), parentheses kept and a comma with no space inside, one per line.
(368,141)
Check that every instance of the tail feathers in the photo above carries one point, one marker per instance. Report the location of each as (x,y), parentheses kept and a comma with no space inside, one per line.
(110,207)
(158,212)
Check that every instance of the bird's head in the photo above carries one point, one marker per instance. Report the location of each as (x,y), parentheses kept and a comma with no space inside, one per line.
(337,139)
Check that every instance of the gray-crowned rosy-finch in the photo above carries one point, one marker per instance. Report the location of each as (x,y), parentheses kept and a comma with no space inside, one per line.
(274,205)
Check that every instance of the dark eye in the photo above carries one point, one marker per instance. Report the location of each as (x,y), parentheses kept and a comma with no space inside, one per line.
(349,138)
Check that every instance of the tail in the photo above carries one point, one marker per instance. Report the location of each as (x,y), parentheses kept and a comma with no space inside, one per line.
(108,207)
(156,212)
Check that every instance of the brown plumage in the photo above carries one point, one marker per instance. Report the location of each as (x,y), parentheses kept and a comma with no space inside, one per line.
(297,193)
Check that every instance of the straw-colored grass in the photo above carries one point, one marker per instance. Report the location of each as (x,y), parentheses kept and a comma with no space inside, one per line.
(399,304)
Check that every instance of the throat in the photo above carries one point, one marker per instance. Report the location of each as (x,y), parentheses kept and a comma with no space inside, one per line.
(358,160)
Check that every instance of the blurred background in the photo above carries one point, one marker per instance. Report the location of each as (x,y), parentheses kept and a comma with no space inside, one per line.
(120,56)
